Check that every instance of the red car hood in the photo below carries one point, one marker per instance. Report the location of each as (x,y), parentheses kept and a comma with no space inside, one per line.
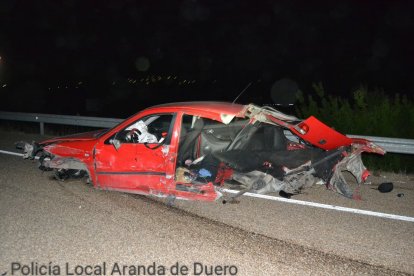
(85,136)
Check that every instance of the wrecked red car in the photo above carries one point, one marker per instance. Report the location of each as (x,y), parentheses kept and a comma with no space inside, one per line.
(193,150)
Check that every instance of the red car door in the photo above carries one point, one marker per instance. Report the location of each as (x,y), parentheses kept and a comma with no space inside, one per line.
(141,162)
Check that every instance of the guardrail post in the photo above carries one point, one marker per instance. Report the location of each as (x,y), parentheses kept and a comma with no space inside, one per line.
(42,128)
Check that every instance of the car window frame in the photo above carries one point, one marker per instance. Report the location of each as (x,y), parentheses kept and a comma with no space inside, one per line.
(167,138)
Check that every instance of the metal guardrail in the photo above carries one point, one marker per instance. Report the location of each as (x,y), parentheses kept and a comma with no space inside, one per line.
(396,145)
(59,119)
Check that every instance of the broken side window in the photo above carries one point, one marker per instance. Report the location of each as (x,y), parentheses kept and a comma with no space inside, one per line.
(150,129)
(199,139)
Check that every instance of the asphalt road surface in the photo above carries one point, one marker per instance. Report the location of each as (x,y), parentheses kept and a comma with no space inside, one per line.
(46,224)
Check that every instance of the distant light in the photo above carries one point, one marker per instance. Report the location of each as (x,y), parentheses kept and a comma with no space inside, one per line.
(4,85)
(80,83)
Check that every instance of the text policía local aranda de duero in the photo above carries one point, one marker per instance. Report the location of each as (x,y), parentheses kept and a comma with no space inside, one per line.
(195,268)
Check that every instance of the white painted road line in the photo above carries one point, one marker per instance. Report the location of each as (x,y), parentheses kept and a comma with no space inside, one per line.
(14,153)
(11,153)
(326,206)
(299,202)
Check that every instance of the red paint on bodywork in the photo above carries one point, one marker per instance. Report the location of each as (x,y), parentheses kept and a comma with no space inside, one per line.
(86,136)
(81,150)
(214,109)
(322,136)
(135,168)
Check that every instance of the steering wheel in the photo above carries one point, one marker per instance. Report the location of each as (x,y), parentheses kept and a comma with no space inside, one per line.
(157,146)
(132,135)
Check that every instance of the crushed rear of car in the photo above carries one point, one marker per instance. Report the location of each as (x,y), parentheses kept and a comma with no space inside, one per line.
(254,154)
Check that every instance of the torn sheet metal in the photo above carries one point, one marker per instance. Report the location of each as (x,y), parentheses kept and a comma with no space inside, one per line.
(263,183)
(65,163)
(353,164)
(29,149)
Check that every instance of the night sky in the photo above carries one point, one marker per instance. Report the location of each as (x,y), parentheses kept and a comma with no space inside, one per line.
(112,58)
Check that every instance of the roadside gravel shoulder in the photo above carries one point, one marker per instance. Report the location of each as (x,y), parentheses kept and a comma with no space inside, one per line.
(37,211)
